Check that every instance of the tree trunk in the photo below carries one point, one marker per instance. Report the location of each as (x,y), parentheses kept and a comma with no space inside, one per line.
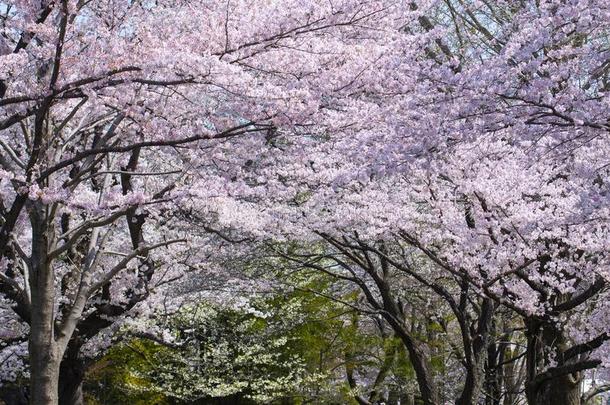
(419,361)
(493,374)
(564,390)
(543,340)
(468,391)
(419,355)
(44,373)
(71,375)
(44,368)
(44,352)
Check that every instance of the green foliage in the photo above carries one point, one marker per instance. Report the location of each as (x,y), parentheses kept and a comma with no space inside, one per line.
(112,379)
(286,348)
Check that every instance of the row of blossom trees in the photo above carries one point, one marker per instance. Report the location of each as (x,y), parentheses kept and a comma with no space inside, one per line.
(463,144)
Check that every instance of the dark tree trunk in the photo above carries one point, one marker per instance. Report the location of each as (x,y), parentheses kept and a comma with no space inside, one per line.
(468,391)
(419,360)
(419,355)
(476,347)
(564,390)
(493,374)
(545,340)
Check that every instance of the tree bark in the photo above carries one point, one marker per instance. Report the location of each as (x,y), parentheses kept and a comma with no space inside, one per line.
(419,359)
(475,345)
(563,390)
(45,356)
(493,375)
(44,373)
(71,376)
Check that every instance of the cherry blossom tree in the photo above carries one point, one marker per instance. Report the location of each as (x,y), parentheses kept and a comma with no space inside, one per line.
(106,106)
(480,138)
